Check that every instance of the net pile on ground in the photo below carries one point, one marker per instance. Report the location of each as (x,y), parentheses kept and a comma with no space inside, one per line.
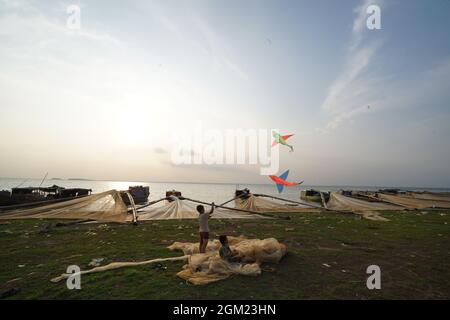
(183,209)
(204,268)
(368,210)
(106,207)
(417,200)
(259,204)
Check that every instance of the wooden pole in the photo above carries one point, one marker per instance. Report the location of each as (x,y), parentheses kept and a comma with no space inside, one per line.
(306,204)
(151,203)
(322,197)
(236,209)
(287,200)
(222,204)
(133,205)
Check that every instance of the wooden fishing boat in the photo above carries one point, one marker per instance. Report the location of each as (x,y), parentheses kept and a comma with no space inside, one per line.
(243,193)
(140,194)
(38,195)
(173,193)
(312,195)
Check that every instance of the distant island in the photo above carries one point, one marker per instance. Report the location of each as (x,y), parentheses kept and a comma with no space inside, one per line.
(79,179)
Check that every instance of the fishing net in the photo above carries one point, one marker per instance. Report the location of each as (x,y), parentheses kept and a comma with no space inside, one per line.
(118,265)
(365,208)
(416,201)
(106,207)
(444,196)
(183,209)
(259,204)
(204,268)
(109,207)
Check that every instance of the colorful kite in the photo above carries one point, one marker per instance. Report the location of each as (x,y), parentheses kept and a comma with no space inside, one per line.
(279,139)
(281,181)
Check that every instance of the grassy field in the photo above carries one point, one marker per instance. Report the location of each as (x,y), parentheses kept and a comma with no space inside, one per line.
(327,258)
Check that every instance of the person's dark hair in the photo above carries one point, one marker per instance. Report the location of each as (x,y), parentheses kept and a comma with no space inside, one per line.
(223,239)
(200,208)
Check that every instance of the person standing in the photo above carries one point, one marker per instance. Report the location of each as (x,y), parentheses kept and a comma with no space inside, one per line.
(203,218)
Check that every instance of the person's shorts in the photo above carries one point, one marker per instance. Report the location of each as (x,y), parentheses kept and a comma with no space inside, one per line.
(204,235)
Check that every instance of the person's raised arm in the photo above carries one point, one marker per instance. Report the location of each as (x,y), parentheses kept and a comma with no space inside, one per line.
(212,208)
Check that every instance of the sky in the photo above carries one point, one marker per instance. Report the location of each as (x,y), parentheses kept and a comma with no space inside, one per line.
(366,107)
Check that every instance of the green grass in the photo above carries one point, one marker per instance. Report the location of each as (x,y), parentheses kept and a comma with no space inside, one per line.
(412,250)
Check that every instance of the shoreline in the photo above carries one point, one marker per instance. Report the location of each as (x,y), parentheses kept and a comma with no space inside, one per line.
(242,185)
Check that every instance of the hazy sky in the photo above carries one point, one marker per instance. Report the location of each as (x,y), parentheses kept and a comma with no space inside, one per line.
(367,107)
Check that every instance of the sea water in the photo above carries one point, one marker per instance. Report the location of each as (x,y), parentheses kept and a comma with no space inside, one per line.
(217,192)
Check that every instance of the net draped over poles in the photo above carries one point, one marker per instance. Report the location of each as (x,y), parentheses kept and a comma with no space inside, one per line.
(413,200)
(204,268)
(365,208)
(106,207)
(183,209)
(109,207)
(442,196)
(254,203)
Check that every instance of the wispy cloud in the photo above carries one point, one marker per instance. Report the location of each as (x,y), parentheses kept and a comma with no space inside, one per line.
(22,23)
(351,92)
(218,49)
(360,89)
(359,24)
(345,94)
(196,29)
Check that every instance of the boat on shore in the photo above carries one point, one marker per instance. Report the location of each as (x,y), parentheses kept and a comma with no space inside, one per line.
(139,194)
(172,195)
(312,195)
(243,193)
(31,195)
